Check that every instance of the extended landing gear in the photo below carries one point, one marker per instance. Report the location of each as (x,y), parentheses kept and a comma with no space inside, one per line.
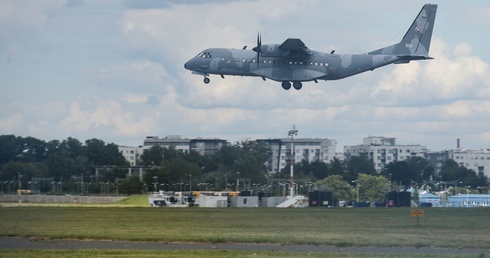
(206,80)
(297,85)
(287,85)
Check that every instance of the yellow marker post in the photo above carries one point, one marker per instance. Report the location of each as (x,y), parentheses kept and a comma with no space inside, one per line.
(418,213)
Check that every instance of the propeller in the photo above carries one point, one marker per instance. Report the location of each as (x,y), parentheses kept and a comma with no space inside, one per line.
(257,48)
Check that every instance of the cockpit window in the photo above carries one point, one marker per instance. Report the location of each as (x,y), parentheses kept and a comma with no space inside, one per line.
(204,55)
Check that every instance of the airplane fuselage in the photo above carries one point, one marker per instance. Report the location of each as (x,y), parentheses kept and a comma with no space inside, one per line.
(317,66)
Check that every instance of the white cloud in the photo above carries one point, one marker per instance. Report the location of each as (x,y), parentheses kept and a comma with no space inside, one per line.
(454,74)
(92,113)
(143,71)
(11,122)
(118,74)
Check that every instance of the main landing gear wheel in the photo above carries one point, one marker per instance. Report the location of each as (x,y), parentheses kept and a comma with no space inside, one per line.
(286,85)
(206,80)
(297,85)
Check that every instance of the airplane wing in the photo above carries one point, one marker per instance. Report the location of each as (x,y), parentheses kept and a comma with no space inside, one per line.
(295,47)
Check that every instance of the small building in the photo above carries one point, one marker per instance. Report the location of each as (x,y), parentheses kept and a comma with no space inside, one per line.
(244,201)
(469,200)
(429,199)
(211,201)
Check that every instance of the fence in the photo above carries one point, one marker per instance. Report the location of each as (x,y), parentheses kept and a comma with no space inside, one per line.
(41,198)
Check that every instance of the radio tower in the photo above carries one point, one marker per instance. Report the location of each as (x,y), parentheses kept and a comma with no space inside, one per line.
(292,133)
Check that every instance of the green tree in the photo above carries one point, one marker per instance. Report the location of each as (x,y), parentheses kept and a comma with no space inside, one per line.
(401,172)
(337,167)
(359,165)
(9,148)
(131,185)
(372,188)
(12,170)
(341,189)
(451,171)
(100,154)
(152,156)
(70,148)
(245,160)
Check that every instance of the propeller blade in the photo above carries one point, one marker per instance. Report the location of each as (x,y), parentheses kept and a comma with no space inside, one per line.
(259,44)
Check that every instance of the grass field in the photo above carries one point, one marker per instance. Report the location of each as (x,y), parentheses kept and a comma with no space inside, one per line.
(379,227)
(456,228)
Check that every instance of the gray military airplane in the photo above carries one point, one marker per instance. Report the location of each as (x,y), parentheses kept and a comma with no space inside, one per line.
(293,62)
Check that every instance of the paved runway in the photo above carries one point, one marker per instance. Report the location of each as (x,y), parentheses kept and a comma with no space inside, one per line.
(34,243)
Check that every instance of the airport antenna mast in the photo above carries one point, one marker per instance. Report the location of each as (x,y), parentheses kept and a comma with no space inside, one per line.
(292,133)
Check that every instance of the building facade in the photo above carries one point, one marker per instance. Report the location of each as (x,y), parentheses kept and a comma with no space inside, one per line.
(476,160)
(205,147)
(305,149)
(384,150)
(131,154)
(176,141)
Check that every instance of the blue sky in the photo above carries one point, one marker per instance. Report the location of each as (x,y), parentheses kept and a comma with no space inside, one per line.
(113,70)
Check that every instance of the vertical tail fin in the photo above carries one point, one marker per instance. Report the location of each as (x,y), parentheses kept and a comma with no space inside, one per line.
(416,41)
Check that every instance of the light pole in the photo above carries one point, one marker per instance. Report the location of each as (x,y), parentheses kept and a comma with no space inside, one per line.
(20,189)
(292,133)
(237,181)
(357,190)
(155,184)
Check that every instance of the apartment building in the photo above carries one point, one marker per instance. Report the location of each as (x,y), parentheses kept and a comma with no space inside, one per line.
(305,149)
(477,160)
(384,150)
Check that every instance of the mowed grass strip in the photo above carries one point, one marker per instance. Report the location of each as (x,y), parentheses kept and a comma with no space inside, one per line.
(210,254)
(456,228)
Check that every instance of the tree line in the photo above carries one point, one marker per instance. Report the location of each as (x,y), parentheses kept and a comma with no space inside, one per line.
(70,166)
